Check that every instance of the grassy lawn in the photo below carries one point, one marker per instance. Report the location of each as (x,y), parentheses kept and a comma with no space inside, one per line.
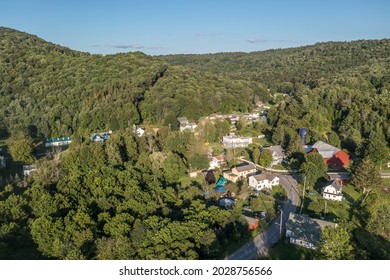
(289,252)
(335,211)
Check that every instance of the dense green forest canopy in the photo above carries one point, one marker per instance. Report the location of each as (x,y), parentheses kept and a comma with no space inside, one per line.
(310,65)
(55,91)
(334,86)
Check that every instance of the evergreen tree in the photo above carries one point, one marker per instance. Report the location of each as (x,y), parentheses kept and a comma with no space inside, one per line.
(366,177)
(335,244)
(265,159)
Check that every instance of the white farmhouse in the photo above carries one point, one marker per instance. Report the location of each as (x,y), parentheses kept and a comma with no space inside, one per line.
(263,181)
(333,190)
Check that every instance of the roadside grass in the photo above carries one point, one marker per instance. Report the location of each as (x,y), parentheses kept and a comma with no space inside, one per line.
(288,251)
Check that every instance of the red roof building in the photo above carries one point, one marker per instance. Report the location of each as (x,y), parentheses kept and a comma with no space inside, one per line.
(333,156)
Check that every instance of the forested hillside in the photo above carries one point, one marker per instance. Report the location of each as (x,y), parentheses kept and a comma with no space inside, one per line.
(336,86)
(54,91)
(312,65)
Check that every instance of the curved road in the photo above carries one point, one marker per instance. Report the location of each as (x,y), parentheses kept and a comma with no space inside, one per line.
(260,244)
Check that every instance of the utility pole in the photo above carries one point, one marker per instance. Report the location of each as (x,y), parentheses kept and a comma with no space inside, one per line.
(280,223)
(303,194)
(326,203)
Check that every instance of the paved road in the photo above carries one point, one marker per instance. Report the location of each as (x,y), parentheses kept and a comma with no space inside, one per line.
(260,244)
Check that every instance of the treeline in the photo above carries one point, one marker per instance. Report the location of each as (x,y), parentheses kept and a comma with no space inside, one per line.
(120,200)
(50,90)
(314,65)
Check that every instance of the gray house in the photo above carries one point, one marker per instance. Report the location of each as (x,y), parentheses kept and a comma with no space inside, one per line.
(304,231)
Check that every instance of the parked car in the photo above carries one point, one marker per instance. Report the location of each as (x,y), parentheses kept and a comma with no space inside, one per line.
(266,192)
(247,208)
(278,207)
(309,192)
(262,214)
(272,244)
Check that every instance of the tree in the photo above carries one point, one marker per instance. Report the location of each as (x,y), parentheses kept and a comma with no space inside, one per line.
(256,155)
(335,244)
(199,162)
(174,168)
(314,168)
(265,159)
(366,177)
(294,146)
(210,178)
(375,149)
(333,139)
(379,220)
(21,148)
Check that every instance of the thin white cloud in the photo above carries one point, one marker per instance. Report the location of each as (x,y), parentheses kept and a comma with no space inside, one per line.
(254,40)
(210,34)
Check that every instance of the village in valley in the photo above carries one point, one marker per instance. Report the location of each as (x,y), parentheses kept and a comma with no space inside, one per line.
(243,170)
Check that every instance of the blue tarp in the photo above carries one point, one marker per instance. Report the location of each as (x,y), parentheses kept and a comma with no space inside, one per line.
(221,181)
(220,189)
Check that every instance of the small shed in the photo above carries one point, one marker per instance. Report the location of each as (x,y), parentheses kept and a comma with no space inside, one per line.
(252,222)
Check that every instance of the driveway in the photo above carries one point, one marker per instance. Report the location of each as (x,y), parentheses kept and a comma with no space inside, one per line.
(260,244)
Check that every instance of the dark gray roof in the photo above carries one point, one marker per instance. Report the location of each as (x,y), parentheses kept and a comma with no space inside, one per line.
(264,176)
(278,150)
(337,184)
(306,228)
(246,167)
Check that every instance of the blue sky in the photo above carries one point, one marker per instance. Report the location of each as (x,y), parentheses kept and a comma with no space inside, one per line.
(173,26)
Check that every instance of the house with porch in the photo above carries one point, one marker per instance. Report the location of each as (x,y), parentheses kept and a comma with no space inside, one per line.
(333,190)
(263,181)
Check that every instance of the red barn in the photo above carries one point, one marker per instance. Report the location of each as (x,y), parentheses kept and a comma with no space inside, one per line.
(333,156)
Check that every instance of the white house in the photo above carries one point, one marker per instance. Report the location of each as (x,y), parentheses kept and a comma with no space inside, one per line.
(215,162)
(277,154)
(333,190)
(233,141)
(263,181)
(184,124)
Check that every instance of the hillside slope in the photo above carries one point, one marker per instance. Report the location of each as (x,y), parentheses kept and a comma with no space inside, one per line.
(310,65)
(54,91)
